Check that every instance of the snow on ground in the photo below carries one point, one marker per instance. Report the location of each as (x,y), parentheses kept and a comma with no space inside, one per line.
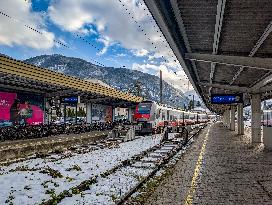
(247,123)
(23,183)
(109,189)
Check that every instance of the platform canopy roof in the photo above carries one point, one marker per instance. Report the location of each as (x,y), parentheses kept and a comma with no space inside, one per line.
(20,76)
(224,46)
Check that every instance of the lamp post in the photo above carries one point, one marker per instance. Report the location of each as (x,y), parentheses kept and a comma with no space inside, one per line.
(193,101)
(160,86)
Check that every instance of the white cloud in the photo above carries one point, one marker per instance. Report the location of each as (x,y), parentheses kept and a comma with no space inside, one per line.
(121,55)
(140,52)
(107,42)
(13,30)
(147,68)
(112,20)
(177,79)
(116,26)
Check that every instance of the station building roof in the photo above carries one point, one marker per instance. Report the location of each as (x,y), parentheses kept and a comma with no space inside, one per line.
(18,75)
(224,46)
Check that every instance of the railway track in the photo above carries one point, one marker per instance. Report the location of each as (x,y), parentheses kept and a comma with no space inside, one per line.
(167,149)
(147,164)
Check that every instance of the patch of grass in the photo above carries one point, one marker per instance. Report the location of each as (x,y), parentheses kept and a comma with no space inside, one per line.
(27,188)
(75,190)
(52,172)
(23,169)
(50,191)
(69,179)
(45,184)
(114,198)
(106,173)
(74,167)
(9,199)
(55,199)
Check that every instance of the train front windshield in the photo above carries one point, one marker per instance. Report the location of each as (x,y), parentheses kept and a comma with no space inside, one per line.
(144,108)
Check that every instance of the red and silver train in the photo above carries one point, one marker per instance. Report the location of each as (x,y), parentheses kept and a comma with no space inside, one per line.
(267,118)
(153,117)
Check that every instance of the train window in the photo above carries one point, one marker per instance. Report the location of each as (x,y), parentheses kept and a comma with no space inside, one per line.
(163,116)
(186,116)
(266,115)
(144,108)
(158,114)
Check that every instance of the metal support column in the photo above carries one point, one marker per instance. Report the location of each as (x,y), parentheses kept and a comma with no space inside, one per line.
(65,113)
(113,114)
(228,118)
(89,112)
(160,86)
(76,113)
(232,118)
(224,118)
(129,114)
(240,119)
(256,136)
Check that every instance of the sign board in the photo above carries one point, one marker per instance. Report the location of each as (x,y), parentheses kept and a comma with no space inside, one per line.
(70,99)
(21,108)
(101,113)
(226,98)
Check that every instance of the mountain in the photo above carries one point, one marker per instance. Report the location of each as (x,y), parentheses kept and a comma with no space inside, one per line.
(127,80)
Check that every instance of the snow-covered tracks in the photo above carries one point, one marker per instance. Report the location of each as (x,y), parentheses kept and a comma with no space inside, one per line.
(122,182)
(38,180)
(95,174)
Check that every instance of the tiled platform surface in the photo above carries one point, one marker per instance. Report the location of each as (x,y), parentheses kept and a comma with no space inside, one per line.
(220,168)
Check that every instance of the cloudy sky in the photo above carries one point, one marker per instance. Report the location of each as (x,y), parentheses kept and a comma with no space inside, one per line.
(117,33)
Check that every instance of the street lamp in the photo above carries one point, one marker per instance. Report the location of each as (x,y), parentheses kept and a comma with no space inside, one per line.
(193,101)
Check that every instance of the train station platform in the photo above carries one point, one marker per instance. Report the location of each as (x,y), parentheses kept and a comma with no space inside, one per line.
(220,167)
(14,150)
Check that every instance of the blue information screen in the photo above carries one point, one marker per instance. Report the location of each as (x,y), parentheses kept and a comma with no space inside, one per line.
(226,99)
(71,99)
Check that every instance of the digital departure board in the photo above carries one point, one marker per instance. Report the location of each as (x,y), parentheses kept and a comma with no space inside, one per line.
(70,99)
(226,98)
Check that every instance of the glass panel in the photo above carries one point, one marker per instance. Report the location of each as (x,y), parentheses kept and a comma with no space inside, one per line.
(144,108)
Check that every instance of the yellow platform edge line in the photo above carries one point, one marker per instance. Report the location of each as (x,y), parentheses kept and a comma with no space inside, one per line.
(191,192)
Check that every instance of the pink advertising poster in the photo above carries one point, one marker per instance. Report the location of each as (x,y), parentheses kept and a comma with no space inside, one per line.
(20,108)
(6,101)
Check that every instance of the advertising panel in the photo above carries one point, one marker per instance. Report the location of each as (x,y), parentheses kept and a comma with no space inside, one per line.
(101,113)
(21,108)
